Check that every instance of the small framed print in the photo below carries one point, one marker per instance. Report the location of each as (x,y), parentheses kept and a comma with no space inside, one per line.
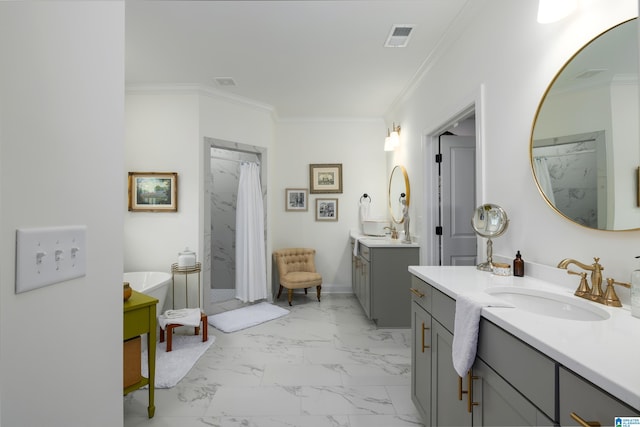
(296,199)
(153,191)
(325,178)
(326,209)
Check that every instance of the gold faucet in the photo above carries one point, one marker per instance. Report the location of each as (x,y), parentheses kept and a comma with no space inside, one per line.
(394,232)
(593,293)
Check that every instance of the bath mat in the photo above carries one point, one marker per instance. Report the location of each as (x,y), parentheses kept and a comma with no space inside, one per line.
(245,317)
(171,367)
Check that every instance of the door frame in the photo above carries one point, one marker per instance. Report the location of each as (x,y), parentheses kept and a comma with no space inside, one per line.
(430,247)
(205,200)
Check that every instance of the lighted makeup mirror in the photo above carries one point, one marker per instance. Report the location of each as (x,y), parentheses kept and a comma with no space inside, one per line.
(489,221)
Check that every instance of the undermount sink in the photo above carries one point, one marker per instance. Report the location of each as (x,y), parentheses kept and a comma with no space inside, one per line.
(550,304)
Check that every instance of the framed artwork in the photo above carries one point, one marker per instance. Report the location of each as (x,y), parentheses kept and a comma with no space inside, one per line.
(325,178)
(296,199)
(326,209)
(153,191)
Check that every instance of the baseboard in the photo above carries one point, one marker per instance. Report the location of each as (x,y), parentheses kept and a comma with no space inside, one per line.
(336,289)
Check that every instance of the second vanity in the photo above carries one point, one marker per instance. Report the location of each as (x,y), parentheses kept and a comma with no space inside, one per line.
(530,369)
(381,280)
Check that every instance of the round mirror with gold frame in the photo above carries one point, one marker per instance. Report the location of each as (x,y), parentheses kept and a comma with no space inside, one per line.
(399,193)
(584,147)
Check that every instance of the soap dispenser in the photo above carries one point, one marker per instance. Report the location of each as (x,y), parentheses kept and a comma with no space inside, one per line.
(635,292)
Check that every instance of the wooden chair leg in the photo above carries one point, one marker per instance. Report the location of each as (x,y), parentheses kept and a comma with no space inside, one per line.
(290,294)
(205,327)
(318,291)
(279,292)
(305,290)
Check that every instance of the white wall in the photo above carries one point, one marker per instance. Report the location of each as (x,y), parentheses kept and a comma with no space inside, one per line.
(162,136)
(165,128)
(504,61)
(61,142)
(358,145)
(165,131)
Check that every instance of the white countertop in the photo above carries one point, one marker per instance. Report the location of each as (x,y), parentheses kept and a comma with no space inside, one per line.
(605,352)
(381,241)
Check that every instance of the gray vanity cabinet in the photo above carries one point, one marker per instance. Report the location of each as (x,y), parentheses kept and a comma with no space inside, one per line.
(588,402)
(497,371)
(382,281)
(446,408)
(421,359)
(499,403)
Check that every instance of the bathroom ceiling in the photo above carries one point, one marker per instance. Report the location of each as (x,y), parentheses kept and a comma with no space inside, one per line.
(303,58)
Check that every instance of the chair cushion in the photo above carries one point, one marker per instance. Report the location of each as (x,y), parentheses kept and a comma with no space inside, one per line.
(300,279)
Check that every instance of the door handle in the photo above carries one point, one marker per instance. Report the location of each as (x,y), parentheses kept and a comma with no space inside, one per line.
(470,402)
(424,328)
(584,423)
(416,292)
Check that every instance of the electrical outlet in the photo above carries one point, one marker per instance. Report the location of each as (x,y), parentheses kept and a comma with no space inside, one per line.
(45,256)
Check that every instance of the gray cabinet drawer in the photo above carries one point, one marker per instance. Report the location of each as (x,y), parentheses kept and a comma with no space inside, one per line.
(364,252)
(525,368)
(421,293)
(443,308)
(588,402)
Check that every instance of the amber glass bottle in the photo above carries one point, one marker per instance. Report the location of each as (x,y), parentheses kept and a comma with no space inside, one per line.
(518,265)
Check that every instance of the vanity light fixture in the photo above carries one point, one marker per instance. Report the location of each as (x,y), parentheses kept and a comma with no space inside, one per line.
(392,141)
(554,10)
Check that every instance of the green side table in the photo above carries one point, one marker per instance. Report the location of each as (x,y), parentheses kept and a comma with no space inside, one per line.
(140,318)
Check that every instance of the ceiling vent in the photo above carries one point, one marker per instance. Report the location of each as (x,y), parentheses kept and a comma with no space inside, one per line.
(399,36)
(587,74)
(225,81)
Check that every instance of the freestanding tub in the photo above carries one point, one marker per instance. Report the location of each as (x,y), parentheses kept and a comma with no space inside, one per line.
(152,283)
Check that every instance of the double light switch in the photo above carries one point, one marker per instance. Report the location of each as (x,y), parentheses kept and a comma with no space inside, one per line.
(45,256)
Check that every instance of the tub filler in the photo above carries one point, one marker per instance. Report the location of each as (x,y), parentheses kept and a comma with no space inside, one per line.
(152,283)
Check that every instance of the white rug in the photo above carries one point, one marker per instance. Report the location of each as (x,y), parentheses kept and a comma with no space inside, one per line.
(171,367)
(245,317)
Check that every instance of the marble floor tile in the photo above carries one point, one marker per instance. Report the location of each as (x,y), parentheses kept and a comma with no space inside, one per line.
(322,365)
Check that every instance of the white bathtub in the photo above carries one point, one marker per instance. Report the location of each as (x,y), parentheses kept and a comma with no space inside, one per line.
(152,283)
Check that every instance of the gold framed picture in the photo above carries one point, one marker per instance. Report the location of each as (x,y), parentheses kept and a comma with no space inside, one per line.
(325,178)
(296,199)
(153,191)
(326,209)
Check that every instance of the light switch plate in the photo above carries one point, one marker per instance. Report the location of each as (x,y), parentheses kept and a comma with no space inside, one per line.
(45,256)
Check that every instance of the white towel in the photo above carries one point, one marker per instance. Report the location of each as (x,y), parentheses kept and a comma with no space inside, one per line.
(187,317)
(364,211)
(466,326)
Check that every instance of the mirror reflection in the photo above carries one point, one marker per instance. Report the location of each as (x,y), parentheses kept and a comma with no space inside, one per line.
(585,147)
(399,194)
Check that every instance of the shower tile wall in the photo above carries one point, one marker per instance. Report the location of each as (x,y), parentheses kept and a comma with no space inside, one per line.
(224,186)
(574,178)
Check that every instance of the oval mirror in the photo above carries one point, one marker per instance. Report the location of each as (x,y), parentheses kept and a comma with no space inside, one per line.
(399,190)
(489,221)
(585,149)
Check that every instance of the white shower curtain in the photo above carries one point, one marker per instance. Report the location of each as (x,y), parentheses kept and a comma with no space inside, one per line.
(251,268)
(544,180)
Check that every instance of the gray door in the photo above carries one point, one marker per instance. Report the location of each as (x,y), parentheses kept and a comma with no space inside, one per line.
(457,199)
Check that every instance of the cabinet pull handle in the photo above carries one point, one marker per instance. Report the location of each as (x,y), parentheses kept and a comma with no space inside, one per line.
(584,423)
(424,328)
(470,402)
(416,292)
(460,391)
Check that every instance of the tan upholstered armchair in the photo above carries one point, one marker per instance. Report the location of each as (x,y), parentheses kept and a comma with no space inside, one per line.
(297,270)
